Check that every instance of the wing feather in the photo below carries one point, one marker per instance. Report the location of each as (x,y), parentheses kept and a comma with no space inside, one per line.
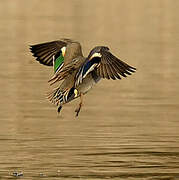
(70,69)
(115,72)
(44,52)
(115,65)
(46,56)
(118,69)
(106,71)
(101,71)
(105,64)
(111,72)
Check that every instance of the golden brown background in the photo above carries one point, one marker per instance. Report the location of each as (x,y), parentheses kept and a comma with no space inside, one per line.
(128,129)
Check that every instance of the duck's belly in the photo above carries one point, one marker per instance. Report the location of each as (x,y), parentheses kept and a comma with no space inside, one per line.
(88,82)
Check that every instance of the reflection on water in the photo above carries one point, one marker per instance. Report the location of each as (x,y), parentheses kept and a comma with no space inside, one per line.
(127,129)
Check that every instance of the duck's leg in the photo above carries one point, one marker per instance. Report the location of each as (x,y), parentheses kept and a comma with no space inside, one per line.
(80,105)
(59,109)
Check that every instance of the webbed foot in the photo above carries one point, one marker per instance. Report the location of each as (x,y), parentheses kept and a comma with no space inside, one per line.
(77,110)
(59,109)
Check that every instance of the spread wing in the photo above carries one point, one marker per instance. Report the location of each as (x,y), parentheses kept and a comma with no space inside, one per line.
(47,52)
(105,64)
(44,52)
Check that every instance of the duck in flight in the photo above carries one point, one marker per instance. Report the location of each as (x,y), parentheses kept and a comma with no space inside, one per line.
(75,74)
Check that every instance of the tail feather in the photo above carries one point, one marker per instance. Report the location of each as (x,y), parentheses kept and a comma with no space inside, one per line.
(56,96)
(59,97)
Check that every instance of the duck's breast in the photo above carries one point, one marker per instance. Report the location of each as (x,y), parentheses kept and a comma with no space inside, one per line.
(88,82)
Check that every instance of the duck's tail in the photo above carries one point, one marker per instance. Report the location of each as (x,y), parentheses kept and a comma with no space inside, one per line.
(59,97)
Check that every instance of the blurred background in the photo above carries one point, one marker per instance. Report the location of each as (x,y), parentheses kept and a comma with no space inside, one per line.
(127,129)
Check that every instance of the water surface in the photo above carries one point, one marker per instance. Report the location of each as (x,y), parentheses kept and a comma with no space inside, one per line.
(128,129)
